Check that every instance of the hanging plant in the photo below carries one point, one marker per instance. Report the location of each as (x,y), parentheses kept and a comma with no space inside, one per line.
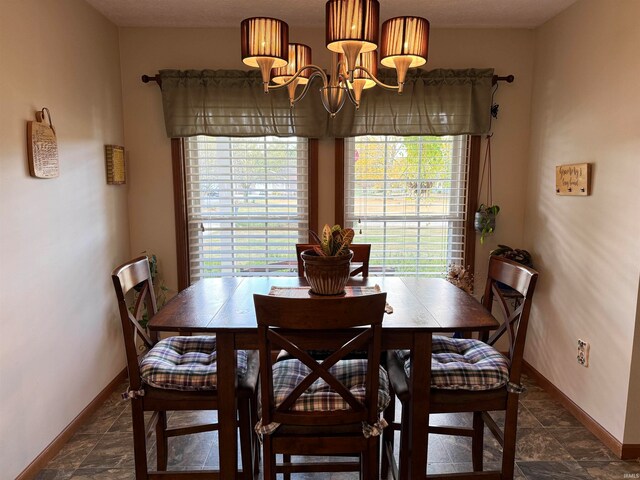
(485,218)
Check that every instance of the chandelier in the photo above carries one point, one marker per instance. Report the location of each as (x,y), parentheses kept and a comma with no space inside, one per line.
(352,38)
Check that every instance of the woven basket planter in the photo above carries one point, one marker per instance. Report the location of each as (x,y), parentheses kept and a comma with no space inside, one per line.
(326,275)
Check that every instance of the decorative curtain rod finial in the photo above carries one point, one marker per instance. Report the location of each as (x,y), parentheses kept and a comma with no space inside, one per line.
(507,78)
(151,78)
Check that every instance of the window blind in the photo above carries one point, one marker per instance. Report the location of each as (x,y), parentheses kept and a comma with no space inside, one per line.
(407,197)
(247,205)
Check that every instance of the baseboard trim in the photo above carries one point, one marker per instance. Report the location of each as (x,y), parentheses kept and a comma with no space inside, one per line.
(621,450)
(56,445)
(630,451)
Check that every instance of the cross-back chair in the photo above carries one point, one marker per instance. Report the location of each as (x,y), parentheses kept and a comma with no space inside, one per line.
(470,375)
(361,254)
(328,407)
(177,373)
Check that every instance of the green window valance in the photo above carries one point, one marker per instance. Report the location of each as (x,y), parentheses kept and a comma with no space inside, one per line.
(231,103)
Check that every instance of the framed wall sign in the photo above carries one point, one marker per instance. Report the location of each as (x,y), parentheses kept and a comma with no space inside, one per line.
(573,179)
(114,156)
(42,147)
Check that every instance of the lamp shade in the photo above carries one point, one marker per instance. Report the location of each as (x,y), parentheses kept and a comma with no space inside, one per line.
(406,37)
(368,60)
(299,56)
(267,38)
(352,21)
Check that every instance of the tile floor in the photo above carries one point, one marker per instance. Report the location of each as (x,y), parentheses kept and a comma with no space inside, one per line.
(551,445)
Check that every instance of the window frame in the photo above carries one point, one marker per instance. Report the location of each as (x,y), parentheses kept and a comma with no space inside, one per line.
(180,202)
(473,167)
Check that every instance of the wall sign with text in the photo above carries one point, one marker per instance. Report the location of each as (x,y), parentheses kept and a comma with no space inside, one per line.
(42,147)
(114,156)
(573,179)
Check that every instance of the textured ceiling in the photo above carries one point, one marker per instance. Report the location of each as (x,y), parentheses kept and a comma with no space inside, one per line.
(229,13)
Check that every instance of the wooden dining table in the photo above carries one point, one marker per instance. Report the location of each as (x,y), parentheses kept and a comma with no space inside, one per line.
(224,307)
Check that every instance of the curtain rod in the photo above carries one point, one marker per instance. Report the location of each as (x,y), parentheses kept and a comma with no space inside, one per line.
(496,79)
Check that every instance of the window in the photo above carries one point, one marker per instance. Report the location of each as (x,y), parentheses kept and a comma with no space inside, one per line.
(247,205)
(407,196)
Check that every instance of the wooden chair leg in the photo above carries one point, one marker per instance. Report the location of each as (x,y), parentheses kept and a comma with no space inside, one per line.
(369,459)
(139,439)
(510,434)
(388,436)
(246,441)
(268,459)
(477,442)
(403,473)
(286,459)
(162,442)
(254,437)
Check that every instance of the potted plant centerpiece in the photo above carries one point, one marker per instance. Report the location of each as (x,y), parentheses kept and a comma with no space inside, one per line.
(327,264)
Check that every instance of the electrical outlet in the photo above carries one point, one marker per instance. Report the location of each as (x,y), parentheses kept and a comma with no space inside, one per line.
(583,353)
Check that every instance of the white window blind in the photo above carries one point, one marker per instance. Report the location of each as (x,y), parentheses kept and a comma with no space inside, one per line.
(407,197)
(247,205)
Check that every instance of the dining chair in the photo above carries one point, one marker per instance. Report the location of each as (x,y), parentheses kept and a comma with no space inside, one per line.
(361,254)
(330,407)
(176,373)
(469,375)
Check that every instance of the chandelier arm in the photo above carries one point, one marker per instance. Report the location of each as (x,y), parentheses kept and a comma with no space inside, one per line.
(349,92)
(341,67)
(378,82)
(317,71)
(306,88)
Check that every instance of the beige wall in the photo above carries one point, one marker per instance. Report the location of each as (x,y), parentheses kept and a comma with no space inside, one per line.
(60,238)
(145,50)
(585,109)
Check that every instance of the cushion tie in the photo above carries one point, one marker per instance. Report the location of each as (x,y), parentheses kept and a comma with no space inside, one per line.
(131,394)
(374,430)
(515,388)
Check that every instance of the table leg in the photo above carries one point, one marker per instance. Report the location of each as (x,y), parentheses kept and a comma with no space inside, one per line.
(227,404)
(420,385)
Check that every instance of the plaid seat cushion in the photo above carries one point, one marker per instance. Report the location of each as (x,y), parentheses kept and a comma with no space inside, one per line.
(185,363)
(287,374)
(463,364)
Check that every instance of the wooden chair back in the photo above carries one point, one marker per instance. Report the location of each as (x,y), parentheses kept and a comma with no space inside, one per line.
(506,277)
(298,325)
(135,276)
(361,254)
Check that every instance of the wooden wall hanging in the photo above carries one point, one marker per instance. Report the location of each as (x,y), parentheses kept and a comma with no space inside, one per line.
(573,179)
(42,147)
(114,156)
